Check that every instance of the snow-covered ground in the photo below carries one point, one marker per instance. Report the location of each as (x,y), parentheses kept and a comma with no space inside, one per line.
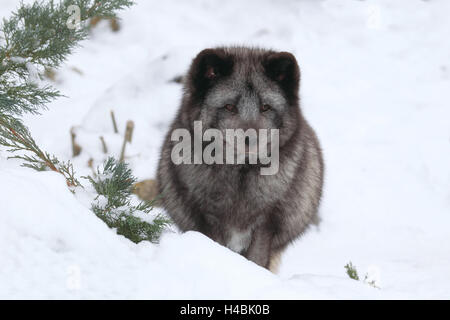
(375,86)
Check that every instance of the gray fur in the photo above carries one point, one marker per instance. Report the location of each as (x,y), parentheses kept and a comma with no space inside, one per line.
(253,214)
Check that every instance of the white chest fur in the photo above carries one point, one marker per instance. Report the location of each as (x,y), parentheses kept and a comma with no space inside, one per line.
(239,240)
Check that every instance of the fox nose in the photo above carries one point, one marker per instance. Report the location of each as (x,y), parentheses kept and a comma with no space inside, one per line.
(250,125)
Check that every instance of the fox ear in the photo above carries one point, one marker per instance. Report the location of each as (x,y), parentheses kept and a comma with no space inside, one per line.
(282,68)
(209,66)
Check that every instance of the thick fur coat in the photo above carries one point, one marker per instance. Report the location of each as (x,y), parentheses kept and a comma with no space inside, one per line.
(252,214)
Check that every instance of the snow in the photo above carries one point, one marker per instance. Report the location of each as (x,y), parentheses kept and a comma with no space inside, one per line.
(55,247)
(375,86)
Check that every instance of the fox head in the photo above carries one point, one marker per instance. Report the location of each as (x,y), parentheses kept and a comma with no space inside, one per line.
(244,88)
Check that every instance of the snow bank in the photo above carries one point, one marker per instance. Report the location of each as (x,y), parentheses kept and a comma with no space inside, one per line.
(54,247)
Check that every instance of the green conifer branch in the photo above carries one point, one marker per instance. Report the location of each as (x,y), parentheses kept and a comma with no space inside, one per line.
(114,185)
(15,136)
(36,37)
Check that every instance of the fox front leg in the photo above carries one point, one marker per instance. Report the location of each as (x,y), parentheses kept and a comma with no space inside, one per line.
(259,249)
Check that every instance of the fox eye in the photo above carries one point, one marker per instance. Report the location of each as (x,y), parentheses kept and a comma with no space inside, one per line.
(231,108)
(265,107)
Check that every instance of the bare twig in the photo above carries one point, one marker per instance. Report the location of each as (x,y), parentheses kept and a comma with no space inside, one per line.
(127,138)
(91,165)
(104,147)
(76,148)
(129,131)
(113,118)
